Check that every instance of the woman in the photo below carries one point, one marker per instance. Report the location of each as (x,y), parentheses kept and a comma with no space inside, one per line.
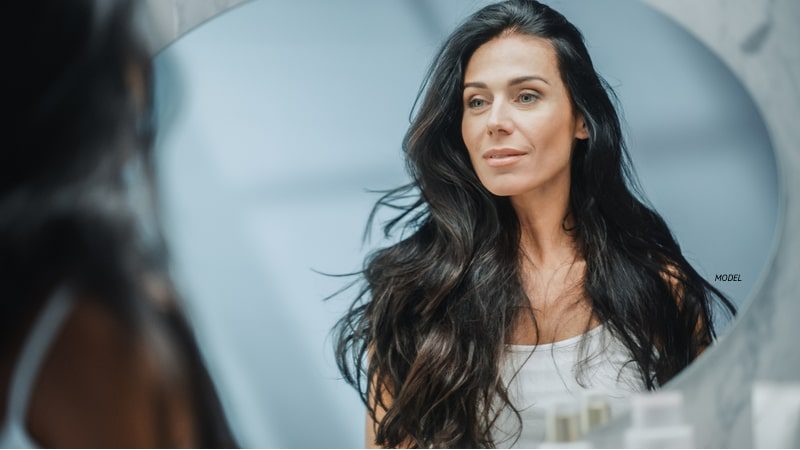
(523,232)
(95,352)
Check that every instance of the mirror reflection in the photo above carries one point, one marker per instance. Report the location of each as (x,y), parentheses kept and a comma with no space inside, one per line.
(531,235)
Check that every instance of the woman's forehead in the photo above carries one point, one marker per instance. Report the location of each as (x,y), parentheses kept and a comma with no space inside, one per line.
(513,56)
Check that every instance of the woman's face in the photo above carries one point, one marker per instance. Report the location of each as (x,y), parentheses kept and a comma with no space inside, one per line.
(518,124)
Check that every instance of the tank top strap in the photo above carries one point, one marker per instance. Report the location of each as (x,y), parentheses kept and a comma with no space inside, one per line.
(31,357)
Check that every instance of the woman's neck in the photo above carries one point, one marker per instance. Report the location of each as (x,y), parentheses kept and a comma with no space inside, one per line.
(541,213)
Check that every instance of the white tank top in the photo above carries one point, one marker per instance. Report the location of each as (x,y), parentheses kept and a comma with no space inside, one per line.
(549,373)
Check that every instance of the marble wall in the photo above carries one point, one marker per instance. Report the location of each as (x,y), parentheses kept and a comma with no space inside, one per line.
(174,18)
(757,39)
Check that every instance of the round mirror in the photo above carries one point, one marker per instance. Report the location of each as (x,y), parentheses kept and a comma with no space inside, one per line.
(277,116)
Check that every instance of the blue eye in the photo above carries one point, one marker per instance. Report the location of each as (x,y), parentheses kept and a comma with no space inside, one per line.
(527,97)
(475,103)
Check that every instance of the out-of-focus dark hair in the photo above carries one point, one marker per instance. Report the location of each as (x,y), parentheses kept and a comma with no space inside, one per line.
(438,306)
(79,108)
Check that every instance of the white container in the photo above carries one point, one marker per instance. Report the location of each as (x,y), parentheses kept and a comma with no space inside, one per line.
(657,421)
(776,415)
(657,409)
(675,436)
(595,410)
(563,425)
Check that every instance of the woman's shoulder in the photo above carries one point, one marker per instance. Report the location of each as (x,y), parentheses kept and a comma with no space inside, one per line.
(104,385)
(674,277)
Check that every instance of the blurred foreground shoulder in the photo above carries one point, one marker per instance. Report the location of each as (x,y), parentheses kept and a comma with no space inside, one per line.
(104,386)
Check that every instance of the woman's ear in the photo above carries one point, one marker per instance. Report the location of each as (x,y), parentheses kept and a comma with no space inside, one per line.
(581,132)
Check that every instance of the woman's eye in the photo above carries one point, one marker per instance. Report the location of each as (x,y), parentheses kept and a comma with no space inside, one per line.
(527,97)
(476,103)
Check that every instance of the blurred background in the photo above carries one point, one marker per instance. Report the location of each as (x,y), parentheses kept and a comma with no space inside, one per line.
(276,117)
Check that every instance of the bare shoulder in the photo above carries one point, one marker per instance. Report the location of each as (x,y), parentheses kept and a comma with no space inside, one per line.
(671,273)
(103,385)
(673,276)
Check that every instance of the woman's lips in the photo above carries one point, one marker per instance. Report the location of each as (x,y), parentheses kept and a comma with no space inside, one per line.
(503,156)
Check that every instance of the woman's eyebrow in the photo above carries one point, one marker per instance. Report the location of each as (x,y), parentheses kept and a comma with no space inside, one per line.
(523,79)
(512,82)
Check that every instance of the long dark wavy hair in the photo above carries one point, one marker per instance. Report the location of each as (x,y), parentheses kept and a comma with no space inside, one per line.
(79,94)
(428,328)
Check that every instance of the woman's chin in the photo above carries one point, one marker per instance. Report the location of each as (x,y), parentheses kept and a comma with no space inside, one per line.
(509,184)
(504,191)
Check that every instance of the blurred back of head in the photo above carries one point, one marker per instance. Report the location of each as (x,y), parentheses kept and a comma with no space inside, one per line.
(80,94)
(79,83)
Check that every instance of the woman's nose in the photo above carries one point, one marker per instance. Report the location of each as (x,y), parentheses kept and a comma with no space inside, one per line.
(499,119)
